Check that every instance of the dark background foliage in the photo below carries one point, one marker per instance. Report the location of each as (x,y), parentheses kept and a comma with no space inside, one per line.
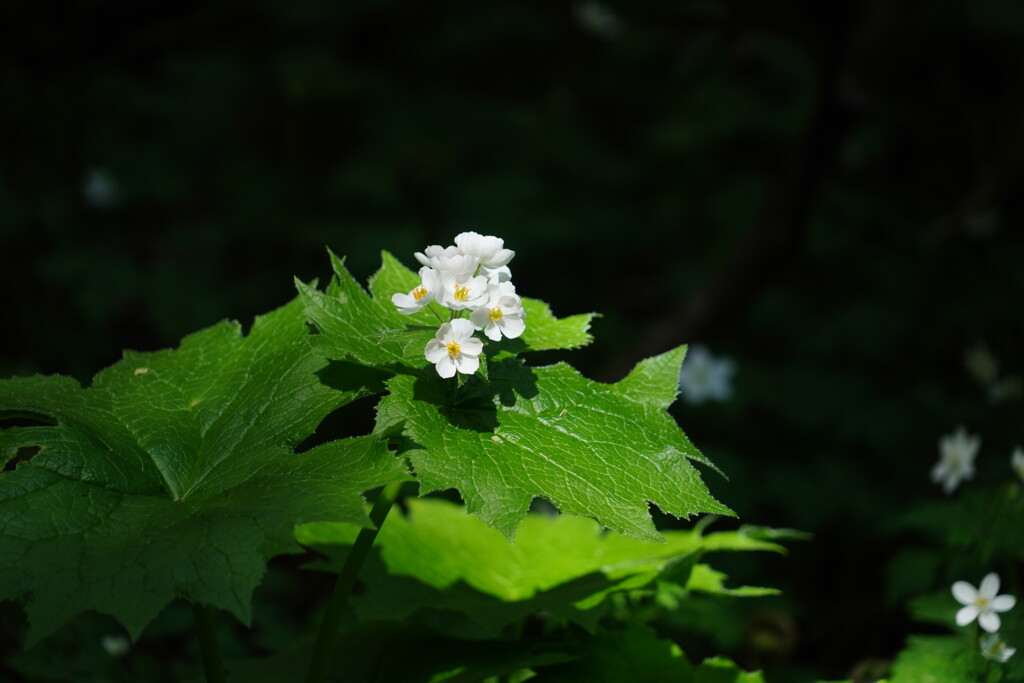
(829,193)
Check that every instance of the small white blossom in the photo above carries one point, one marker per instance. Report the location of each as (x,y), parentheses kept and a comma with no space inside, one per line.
(502,315)
(1017,461)
(956,459)
(982,603)
(703,377)
(463,293)
(598,19)
(115,644)
(454,349)
(993,647)
(489,251)
(497,275)
(100,189)
(428,290)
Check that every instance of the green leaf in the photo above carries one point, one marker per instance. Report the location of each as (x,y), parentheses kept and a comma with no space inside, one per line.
(353,325)
(174,474)
(562,564)
(367,327)
(934,659)
(939,608)
(722,670)
(635,654)
(592,449)
(707,580)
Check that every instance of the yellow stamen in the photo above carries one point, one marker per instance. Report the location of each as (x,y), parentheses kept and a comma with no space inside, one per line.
(461,292)
(496,314)
(453,350)
(419,292)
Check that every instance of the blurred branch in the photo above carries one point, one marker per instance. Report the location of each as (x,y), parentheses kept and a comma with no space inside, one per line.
(775,240)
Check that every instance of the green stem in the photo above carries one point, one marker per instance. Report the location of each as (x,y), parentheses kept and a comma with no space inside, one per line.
(430,307)
(206,627)
(323,651)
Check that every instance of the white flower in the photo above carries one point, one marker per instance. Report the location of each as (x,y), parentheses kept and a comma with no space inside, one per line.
(982,603)
(956,459)
(993,647)
(598,19)
(489,251)
(1017,461)
(454,349)
(497,275)
(462,293)
(704,377)
(448,260)
(100,189)
(502,315)
(421,295)
(115,644)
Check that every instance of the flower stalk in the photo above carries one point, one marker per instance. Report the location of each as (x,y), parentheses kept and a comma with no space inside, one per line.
(206,628)
(323,650)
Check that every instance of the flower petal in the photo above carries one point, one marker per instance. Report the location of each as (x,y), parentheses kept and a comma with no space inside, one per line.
(462,330)
(435,351)
(989,586)
(513,327)
(480,317)
(966,615)
(469,364)
(492,331)
(964,593)
(989,621)
(1002,603)
(445,367)
(472,346)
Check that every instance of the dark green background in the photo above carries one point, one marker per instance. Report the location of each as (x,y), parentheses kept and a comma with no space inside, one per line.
(830,197)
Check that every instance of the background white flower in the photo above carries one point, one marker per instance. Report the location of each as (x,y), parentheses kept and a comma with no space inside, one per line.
(704,377)
(598,19)
(1017,461)
(454,349)
(956,459)
(993,647)
(115,644)
(982,603)
(100,189)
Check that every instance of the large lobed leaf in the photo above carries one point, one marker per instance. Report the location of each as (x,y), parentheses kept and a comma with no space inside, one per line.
(174,475)
(638,655)
(592,449)
(599,450)
(559,564)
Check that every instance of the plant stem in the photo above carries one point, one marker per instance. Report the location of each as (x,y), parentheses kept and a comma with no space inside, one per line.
(430,307)
(323,651)
(206,627)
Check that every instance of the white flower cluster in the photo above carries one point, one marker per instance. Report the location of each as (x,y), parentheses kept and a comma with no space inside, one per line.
(472,277)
